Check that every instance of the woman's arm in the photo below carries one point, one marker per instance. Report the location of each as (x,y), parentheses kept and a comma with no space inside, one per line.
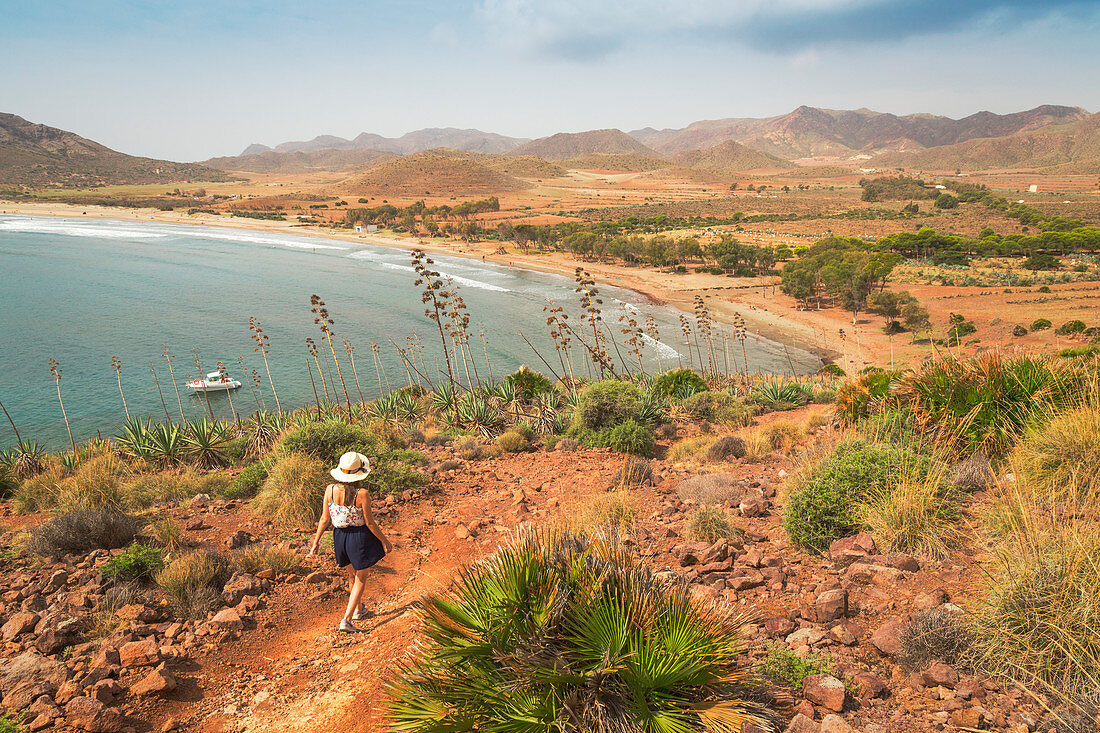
(322,523)
(368,517)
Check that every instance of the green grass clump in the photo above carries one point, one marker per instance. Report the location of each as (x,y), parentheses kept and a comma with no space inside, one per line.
(393,477)
(783,665)
(588,612)
(12,723)
(293,490)
(512,442)
(628,437)
(248,481)
(137,562)
(826,494)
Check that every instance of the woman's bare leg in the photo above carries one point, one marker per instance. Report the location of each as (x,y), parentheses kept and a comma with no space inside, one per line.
(356,593)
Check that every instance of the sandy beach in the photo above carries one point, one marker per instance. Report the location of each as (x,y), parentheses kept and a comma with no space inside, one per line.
(766,311)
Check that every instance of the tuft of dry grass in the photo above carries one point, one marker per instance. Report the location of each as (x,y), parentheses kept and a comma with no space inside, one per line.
(613,514)
(916,515)
(193,582)
(708,489)
(689,448)
(256,558)
(1062,457)
(166,533)
(292,492)
(711,523)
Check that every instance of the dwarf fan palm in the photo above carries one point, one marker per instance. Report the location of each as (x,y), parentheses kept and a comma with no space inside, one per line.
(560,633)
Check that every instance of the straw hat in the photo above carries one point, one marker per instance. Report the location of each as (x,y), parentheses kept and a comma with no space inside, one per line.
(352,467)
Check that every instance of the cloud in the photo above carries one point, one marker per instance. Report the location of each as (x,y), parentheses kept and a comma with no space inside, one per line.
(583,30)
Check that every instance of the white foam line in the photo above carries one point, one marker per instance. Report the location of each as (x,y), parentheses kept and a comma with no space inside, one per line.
(40,226)
(373,258)
(661,347)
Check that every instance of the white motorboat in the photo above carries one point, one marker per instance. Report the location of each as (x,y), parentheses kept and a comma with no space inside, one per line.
(214,382)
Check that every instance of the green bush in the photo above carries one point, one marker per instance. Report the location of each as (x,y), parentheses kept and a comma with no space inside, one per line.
(1041,324)
(588,613)
(1070,327)
(248,481)
(9,724)
(678,384)
(330,439)
(719,407)
(137,562)
(528,383)
(825,499)
(393,477)
(629,437)
(604,405)
(832,370)
(783,665)
(235,450)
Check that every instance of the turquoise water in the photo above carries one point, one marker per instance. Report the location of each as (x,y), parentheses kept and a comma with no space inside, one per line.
(81,291)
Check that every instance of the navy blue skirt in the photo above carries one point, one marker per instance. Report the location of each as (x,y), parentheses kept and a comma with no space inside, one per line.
(357,546)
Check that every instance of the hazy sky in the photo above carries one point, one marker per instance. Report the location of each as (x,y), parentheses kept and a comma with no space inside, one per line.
(191,80)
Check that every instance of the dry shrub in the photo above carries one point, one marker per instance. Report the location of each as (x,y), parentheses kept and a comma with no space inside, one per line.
(105,619)
(256,558)
(567,444)
(293,490)
(82,530)
(166,533)
(632,474)
(96,483)
(916,515)
(782,434)
(726,447)
(612,514)
(935,635)
(758,445)
(1062,457)
(710,489)
(436,439)
(974,474)
(688,448)
(815,420)
(193,583)
(710,524)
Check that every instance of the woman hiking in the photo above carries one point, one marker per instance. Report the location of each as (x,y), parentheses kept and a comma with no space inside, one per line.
(356,538)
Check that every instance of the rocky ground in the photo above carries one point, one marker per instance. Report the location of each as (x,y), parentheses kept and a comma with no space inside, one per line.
(271,658)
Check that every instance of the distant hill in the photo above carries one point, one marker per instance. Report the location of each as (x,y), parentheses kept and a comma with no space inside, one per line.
(413,142)
(729,156)
(812,132)
(298,161)
(432,173)
(1074,147)
(38,156)
(566,145)
(520,166)
(634,162)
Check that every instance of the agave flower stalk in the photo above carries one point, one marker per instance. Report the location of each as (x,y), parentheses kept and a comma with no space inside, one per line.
(116,363)
(251,386)
(434,297)
(168,358)
(205,394)
(160,392)
(228,393)
(654,334)
(351,358)
(374,350)
(259,389)
(485,347)
(316,398)
(685,326)
(55,370)
(262,340)
(12,422)
(312,346)
(323,320)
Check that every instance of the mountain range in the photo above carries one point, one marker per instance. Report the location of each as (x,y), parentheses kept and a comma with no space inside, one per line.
(38,155)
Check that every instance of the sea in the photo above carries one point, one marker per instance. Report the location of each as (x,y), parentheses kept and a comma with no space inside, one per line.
(84,292)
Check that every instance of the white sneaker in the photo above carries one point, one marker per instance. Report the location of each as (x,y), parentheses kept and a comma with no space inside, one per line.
(347,627)
(361,612)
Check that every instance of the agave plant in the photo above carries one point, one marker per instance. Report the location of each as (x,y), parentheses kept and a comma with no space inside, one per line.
(385,408)
(779,392)
(545,413)
(204,443)
(445,400)
(25,460)
(650,409)
(480,415)
(166,443)
(134,438)
(409,408)
(263,430)
(579,638)
(510,398)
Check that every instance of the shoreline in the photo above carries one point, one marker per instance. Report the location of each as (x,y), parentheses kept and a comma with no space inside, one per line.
(726,297)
